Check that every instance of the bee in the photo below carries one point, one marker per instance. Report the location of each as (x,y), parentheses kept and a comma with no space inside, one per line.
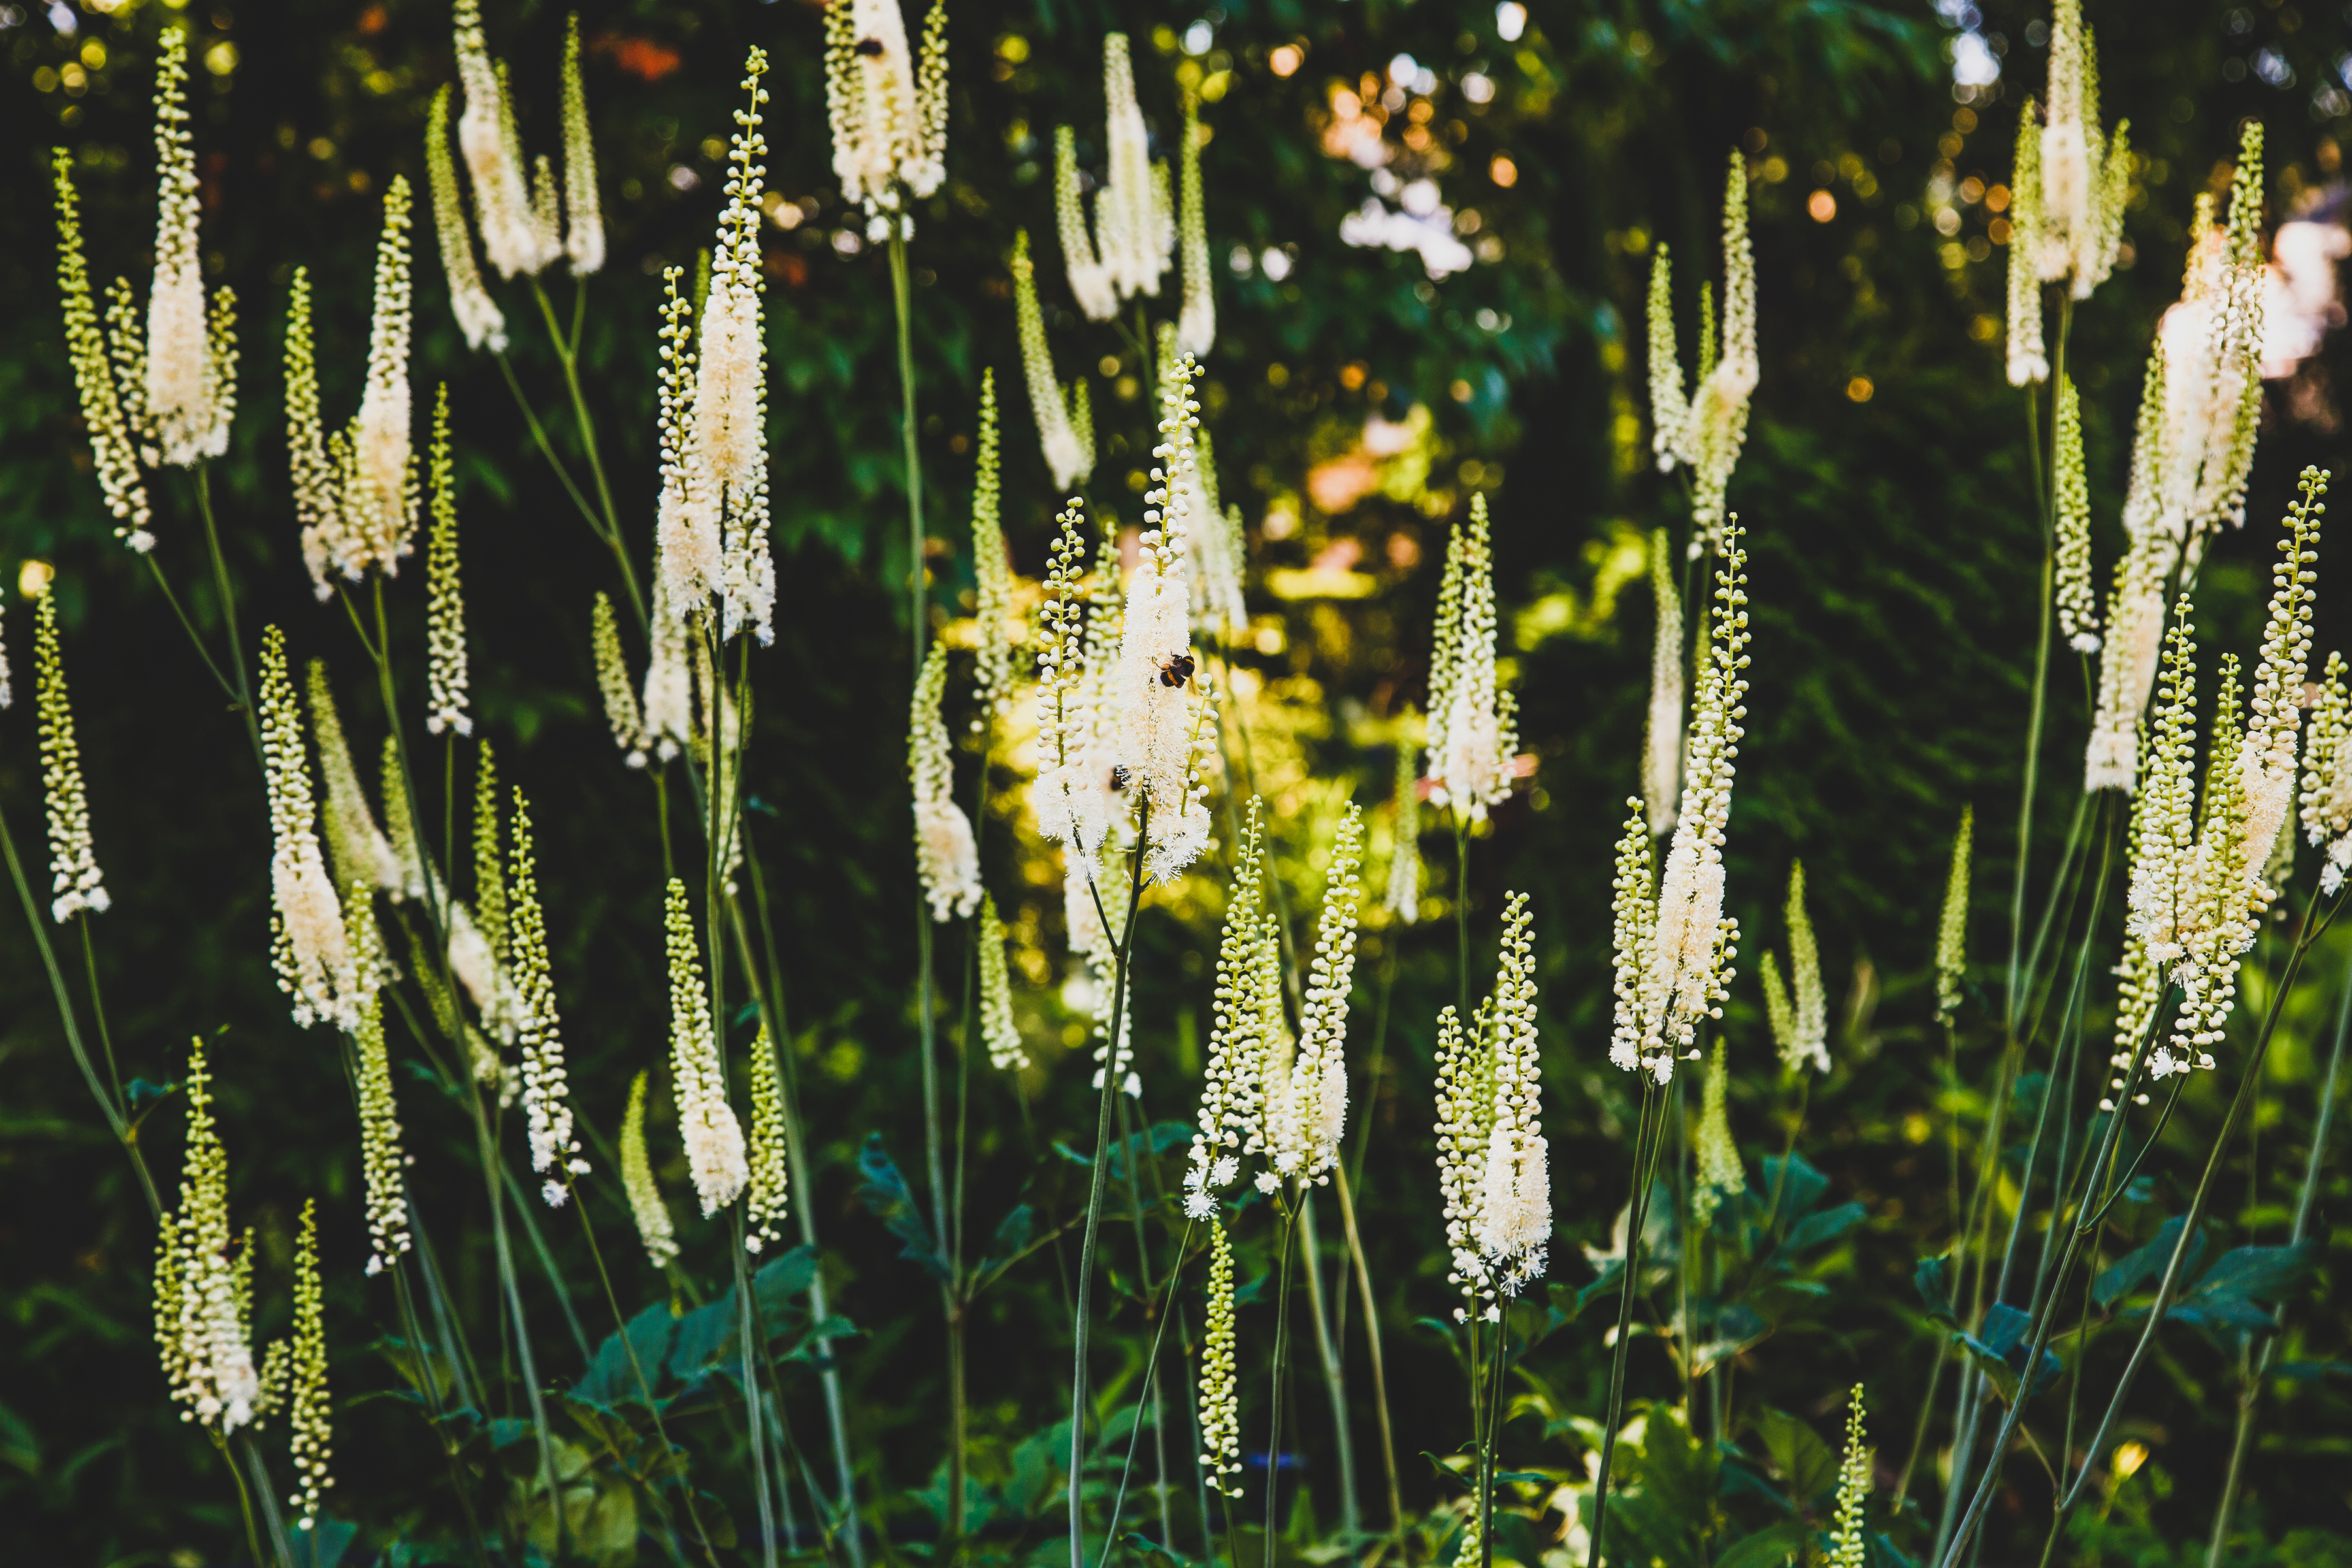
(1118,776)
(1177,670)
(869,47)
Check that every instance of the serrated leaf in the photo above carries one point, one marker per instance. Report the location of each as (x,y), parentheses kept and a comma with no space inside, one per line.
(2264,1274)
(887,1198)
(1801,1188)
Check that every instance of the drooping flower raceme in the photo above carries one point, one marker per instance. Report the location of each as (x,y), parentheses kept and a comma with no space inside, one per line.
(1669,408)
(1219,548)
(478,316)
(1848,1546)
(1472,727)
(612,682)
(1952,929)
(1514,1221)
(202,1311)
(2326,796)
(1674,957)
(308,948)
(445,670)
(1165,718)
(1135,231)
(191,388)
(2212,350)
(308,1409)
(1091,278)
(1661,739)
(1466,1121)
(1720,1174)
(1068,812)
(947,858)
(2135,633)
(1064,430)
(769,1154)
(383,1161)
(1403,899)
(546,1091)
(1221,1419)
(584,214)
(1713,427)
(997,1030)
(1306,1120)
(1232,1100)
(2078,615)
(113,451)
(1803,1036)
(2025,359)
(75,885)
(646,1205)
(889,110)
(992,568)
(2083,176)
(714,1139)
(725,451)
(513,235)
(1196,327)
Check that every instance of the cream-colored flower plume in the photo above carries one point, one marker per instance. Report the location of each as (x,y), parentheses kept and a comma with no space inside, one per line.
(514,236)
(191,389)
(113,450)
(1674,953)
(1303,1127)
(1473,731)
(947,856)
(75,884)
(203,1306)
(584,214)
(546,1088)
(714,1139)
(478,316)
(1196,327)
(1064,431)
(308,946)
(1662,738)
(769,1152)
(889,110)
(1220,1418)
(645,1204)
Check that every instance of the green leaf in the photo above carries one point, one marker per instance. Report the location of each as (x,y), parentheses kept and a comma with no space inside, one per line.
(1808,1468)
(611,1377)
(1768,1547)
(885,1193)
(2264,1274)
(1933,1280)
(1800,1189)
(1818,1230)
(2121,1276)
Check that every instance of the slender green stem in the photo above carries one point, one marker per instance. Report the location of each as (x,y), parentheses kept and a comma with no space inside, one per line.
(243,683)
(1647,1138)
(430,1385)
(1167,1299)
(744,1314)
(1490,1435)
(1363,1273)
(2250,1077)
(645,1384)
(228,688)
(1461,909)
(771,998)
(1281,1366)
(2045,509)
(243,1498)
(1327,1350)
(2249,1395)
(1099,1179)
(567,353)
(124,1133)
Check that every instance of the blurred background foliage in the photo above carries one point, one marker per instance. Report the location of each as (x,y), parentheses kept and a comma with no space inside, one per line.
(1355,402)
